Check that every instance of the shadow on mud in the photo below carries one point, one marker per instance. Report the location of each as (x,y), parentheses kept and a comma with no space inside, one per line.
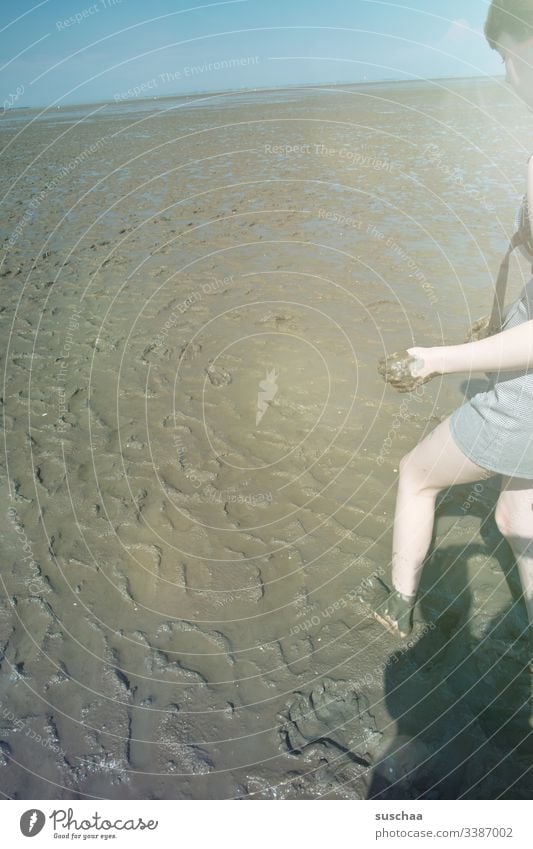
(460,695)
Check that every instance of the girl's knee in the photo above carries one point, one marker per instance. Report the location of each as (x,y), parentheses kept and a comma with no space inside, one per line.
(404,463)
(413,476)
(502,518)
(512,519)
(408,469)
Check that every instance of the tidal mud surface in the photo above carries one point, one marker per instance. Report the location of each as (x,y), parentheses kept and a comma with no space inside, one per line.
(201,458)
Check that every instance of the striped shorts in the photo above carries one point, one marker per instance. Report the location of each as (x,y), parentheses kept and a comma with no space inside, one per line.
(495,428)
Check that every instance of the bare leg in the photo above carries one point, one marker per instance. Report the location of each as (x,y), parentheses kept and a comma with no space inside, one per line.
(434,464)
(514,517)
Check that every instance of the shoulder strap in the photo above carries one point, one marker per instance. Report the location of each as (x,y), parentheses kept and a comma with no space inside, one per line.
(522,236)
(496,316)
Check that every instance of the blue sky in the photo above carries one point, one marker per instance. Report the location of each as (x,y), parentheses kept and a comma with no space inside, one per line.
(113,49)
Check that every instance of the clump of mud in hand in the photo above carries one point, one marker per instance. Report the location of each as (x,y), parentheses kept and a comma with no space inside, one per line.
(397,369)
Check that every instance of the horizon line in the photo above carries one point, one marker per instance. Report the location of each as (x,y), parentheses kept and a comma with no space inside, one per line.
(215,92)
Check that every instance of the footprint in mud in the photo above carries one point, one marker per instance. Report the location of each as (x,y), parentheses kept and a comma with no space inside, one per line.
(333,714)
(189,351)
(281,321)
(218,375)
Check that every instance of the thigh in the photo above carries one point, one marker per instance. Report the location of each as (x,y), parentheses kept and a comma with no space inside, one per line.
(515,504)
(437,462)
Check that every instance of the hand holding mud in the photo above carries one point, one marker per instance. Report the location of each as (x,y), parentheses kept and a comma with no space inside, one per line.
(406,370)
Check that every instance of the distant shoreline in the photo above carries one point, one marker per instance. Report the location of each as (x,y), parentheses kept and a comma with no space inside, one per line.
(360,84)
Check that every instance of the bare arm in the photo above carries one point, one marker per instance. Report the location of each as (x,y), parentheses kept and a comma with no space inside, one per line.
(511,350)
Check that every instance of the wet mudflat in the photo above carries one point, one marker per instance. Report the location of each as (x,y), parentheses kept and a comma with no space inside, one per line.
(201,458)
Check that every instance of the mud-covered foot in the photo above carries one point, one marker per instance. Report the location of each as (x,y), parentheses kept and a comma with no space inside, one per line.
(396,369)
(390,608)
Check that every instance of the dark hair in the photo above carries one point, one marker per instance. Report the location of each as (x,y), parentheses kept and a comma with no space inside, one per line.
(509,17)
